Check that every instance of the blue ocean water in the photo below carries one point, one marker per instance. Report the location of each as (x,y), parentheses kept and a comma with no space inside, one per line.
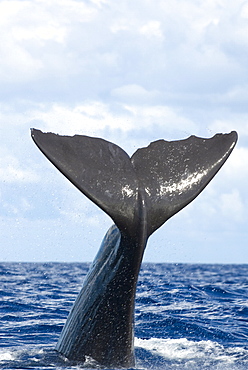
(187,316)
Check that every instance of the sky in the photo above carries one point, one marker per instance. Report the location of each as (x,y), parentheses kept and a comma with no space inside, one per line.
(130,72)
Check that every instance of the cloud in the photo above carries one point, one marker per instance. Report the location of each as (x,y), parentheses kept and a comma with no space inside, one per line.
(134,94)
(232,205)
(96,117)
(76,50)
(130,72)
(88,118)
(12,171)
(152,29)
(236,167)
(34,48)
(237,121)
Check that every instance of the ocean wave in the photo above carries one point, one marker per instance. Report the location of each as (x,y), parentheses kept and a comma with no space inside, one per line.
(186,316)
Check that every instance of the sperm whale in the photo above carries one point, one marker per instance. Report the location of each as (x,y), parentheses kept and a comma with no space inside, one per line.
(140,193)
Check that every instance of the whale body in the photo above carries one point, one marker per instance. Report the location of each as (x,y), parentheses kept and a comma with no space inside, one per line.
(139,194)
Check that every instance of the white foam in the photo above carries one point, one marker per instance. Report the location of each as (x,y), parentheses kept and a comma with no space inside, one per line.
(17,354)
(186,350)
(6,356)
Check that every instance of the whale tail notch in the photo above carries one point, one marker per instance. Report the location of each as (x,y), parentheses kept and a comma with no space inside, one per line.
(167,175)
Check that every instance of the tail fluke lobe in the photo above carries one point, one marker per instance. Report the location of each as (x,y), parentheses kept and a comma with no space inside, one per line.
(151,187)
(172,174)
(98,168)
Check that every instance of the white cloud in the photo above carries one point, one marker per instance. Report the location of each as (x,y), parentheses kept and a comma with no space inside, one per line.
(244,10)
(152,29)
(237,122)
(43,32)
(89,118)
(30,31)
(163,116)
(93,117)
(236,167)
(130,72)
(134,93)
(11,171)
(17,209)
(94,48)
(232,205)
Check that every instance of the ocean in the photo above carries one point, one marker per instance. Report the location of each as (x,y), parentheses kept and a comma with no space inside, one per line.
(187,316)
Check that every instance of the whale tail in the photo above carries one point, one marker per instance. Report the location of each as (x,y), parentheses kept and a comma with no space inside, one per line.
(139,193)
(161,178)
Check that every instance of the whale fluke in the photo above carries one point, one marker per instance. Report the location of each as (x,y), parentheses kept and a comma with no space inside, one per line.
(139,194)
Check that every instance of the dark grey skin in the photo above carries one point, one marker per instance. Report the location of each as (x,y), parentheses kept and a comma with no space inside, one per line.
(139,193)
